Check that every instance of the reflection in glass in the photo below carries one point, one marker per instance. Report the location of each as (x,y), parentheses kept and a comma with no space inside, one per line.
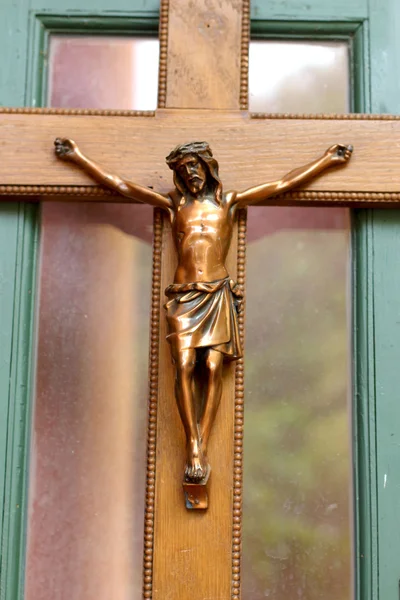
(87,478)
(103,72)
(298,77)
(297,462)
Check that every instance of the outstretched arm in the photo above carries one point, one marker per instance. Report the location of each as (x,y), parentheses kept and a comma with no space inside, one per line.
(335,155)
(66,149)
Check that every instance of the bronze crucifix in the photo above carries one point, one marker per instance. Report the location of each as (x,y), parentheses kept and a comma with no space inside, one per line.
(187,554)
(203,301)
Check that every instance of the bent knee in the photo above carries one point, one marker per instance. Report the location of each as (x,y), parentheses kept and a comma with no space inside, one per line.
(214,362)
(185,361)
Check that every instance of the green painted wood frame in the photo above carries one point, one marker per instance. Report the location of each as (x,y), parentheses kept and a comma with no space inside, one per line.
(370,26)
(18,241)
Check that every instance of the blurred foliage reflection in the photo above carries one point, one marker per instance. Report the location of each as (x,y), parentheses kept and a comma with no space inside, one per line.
(297,457)
(296,530)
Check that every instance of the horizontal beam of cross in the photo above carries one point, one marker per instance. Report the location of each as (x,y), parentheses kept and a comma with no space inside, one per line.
(249,151)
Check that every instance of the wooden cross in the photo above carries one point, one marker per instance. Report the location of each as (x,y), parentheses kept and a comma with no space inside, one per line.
(202,95)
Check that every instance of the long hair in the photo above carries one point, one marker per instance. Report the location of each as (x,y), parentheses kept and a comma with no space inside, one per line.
(202,151)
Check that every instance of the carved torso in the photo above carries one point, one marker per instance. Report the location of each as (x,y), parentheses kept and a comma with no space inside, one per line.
(202,231)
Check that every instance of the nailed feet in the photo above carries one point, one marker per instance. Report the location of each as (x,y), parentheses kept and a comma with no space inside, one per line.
(196,465)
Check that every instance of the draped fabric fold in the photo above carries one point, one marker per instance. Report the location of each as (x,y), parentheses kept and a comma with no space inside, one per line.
(204,315)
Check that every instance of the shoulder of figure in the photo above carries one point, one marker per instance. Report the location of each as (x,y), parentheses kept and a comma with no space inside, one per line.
(174,196)
(177,199)
(230,197)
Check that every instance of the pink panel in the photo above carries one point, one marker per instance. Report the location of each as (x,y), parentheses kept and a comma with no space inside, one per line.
(87,480)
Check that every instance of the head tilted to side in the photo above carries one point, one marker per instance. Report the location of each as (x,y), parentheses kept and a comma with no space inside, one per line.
(201,151)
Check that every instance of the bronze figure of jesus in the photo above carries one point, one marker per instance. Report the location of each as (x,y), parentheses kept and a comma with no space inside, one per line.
(202,301)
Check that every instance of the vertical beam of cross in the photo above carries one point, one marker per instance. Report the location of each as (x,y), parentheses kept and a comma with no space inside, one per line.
(203,64)
(206,54)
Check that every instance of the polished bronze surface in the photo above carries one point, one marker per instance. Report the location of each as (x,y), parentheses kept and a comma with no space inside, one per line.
(203,301)
(196,494)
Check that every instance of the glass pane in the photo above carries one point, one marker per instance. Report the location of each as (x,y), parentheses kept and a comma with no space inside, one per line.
(297,472)
(299,77)
(87,479)
(103,72)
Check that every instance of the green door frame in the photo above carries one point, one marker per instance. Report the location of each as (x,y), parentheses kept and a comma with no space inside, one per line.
(371,27)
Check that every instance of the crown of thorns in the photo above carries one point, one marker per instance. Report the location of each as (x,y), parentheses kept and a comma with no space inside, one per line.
(200,148)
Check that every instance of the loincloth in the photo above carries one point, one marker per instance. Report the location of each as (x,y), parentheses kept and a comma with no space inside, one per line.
(204,315)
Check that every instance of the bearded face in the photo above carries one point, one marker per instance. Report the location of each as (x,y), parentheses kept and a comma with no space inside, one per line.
(195,168)
(192,172)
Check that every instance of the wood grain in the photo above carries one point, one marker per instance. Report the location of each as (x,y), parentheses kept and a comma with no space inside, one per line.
(204,45)
(193,550)
(249,151)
